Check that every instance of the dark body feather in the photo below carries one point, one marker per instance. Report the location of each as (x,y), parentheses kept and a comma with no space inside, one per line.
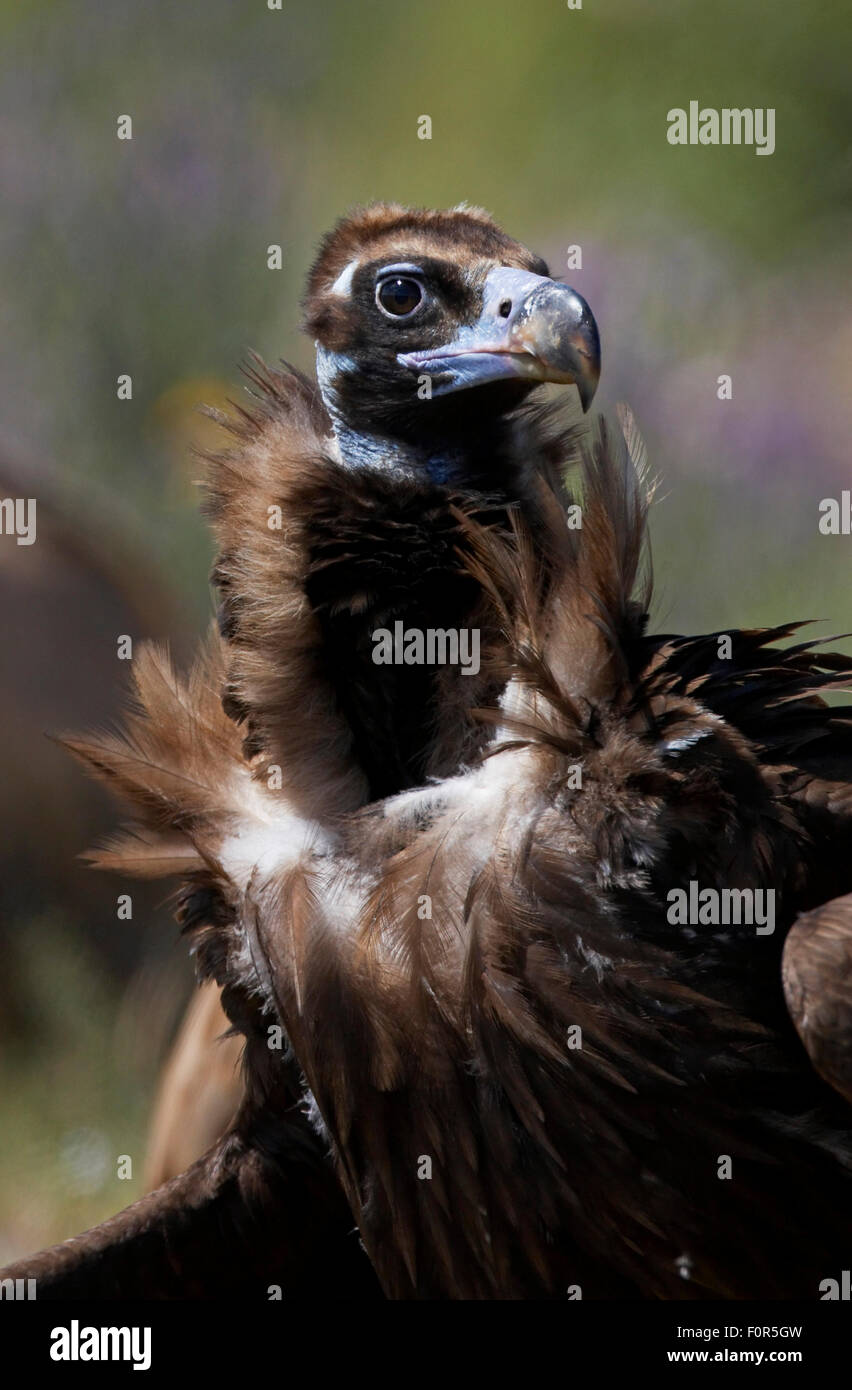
(356,555)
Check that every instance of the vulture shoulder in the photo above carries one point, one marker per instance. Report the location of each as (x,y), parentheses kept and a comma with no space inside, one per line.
(817,973)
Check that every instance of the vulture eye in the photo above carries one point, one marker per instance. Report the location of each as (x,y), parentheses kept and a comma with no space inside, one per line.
(399,295)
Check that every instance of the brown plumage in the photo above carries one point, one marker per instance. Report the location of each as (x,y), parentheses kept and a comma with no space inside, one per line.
(437,885)
(817,972)
(200,1090)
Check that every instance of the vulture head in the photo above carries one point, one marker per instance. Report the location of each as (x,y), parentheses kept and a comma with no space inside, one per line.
(431,328)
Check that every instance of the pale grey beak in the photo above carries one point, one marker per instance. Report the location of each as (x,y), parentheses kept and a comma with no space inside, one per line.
(531,327)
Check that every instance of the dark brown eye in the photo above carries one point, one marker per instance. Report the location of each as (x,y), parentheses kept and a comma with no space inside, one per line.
(399,295)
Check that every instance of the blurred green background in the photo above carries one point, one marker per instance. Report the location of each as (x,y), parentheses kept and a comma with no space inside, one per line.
(254,126)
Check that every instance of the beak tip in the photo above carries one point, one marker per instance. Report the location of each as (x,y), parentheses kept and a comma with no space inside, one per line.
(587,389)
(564,334)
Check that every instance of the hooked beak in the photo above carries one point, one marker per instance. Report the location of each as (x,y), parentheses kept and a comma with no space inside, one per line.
(531,328)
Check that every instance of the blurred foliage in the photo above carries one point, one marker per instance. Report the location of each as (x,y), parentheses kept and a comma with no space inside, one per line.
(75,1093)
(254,126)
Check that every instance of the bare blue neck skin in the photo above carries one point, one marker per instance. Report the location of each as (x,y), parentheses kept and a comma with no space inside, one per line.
(359,450)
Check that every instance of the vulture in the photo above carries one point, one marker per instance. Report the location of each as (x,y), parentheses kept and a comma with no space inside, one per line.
(535,924)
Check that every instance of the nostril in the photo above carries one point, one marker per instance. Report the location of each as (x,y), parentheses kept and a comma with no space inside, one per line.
(505,308)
